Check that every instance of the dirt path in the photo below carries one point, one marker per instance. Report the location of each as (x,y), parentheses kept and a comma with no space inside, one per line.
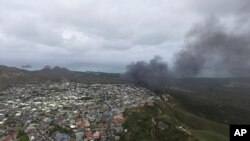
(153,124)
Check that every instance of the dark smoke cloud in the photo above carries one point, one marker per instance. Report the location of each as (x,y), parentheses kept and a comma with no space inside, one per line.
(211,47)
(153,74)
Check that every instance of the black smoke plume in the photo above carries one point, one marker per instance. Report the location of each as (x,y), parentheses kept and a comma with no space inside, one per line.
(212,49)
(153,74)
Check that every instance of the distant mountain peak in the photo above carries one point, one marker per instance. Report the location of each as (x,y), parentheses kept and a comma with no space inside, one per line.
(26,66)
(47,67)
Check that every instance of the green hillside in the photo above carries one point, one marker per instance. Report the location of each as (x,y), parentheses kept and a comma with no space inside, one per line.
(145,123)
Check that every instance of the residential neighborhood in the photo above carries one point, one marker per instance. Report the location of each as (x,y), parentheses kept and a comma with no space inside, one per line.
(68,111)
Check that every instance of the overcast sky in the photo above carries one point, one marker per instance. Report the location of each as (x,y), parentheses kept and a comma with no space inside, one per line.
(104,35)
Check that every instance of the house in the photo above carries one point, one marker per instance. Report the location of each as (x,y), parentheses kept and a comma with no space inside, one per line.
(79,136)
(72,126)
(86,123)
(32,138)
(101,125)
(96,135)
(62,137)
(31,128)
(118,129)
(19,113)
(47,120)
(72,121)
(89,135)
(106,113)
(2,115)
(79,123)
(7,138)
(118,119)
(117,138)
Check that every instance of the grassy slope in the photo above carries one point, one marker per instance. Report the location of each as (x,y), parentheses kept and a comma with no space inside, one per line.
(208,136)
(171,112)
(219,106)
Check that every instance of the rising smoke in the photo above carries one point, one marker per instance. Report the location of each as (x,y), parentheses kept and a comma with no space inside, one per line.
(211,50)
(153,74)
(214,49)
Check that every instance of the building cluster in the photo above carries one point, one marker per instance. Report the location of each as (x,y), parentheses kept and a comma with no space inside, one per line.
(68,111)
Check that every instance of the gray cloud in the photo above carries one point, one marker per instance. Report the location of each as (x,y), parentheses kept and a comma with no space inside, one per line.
(29,30)
(63,31)
(220,7)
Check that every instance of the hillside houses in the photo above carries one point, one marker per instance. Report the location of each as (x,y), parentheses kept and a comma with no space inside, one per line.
(65,111)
